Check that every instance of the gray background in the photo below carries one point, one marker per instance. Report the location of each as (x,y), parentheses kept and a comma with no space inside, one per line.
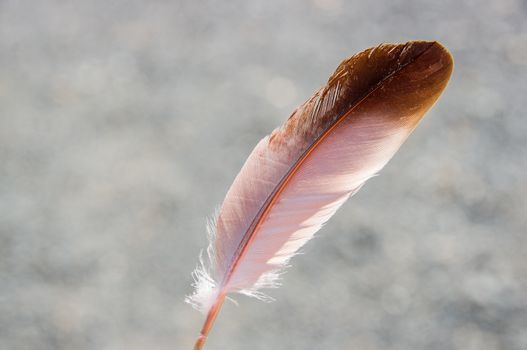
(122,124)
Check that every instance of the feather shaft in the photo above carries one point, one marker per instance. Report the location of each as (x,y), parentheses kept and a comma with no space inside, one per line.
(209,322)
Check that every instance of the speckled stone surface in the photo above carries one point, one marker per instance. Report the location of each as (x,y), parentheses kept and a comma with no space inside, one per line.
(122,124)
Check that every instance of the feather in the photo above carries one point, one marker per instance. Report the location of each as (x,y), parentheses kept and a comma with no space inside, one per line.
(297,177)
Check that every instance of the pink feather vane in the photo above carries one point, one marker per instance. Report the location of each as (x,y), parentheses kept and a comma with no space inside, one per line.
(297,177)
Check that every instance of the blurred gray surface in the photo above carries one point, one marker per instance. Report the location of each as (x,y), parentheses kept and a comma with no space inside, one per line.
(122,124)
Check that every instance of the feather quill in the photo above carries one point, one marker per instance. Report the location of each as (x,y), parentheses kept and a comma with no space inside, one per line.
(298,176)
